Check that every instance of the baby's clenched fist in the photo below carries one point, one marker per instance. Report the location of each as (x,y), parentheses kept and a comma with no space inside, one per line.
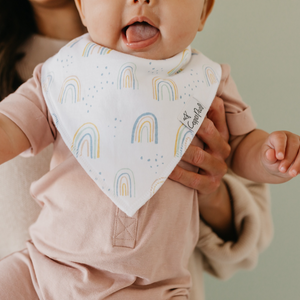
(280,154)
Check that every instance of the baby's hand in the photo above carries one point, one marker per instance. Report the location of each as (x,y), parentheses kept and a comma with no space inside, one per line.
(281,156)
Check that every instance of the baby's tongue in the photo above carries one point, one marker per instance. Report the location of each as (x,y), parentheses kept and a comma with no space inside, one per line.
(138,32)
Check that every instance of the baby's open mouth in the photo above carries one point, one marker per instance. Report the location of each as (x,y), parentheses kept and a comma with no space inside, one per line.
(139,31)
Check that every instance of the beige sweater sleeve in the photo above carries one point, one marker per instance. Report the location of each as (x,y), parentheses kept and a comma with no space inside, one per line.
(253,223)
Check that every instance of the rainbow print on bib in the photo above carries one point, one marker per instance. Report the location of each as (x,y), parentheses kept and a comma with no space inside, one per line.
(86,141)
(47,82)
(92,48)
(124,184)
(70,90)
(164,89)
(210,76)
(145,129)
(156,185)
(184,60)
(127,77)
(184,137)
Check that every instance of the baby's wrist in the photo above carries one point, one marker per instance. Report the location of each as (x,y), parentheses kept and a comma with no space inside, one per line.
(214,200)
(217,212)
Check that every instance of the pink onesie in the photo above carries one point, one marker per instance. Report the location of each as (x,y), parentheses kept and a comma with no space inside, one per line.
(82,246)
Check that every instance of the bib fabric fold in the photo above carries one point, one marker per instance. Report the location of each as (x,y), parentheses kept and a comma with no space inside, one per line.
(127,120)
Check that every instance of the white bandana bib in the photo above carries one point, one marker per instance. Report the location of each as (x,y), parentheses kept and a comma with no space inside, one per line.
(126,119)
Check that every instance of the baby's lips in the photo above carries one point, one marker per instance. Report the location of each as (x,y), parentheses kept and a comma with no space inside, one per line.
(139,32)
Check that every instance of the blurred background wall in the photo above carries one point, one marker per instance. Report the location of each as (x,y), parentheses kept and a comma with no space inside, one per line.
(261,42)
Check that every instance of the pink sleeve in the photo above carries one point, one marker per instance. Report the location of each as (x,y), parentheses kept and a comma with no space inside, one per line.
(27,108)
(238,114)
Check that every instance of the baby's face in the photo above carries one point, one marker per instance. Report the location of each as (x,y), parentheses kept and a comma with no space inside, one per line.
(153,29)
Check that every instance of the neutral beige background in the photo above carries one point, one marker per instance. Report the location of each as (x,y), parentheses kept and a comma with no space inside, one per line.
(260,39)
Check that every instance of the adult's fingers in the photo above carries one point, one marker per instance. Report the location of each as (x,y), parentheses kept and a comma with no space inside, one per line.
(211,137)
(217,115)
(205,161)
(204,184)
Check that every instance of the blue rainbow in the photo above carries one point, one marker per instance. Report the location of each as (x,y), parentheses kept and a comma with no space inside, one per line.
(71,89)
(195,52)
(156,185)
(127,77)
(160,85)
(184,59)
(47,82)
(210,76)
(145,122)
(90,47)
(184,137)
(86,136)
(124,184)
(55,119)
(73,42)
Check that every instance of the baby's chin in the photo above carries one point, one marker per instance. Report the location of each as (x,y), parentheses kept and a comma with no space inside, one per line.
(155,53)
(148,55)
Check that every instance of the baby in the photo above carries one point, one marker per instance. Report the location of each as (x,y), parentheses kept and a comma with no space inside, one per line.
(121,105)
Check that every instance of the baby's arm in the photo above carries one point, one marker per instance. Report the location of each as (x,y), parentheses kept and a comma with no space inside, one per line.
(269,158)
(13,141)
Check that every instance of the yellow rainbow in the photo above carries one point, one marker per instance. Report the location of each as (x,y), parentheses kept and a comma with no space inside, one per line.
(127,77)
(146,121)
(86,135)
(73,42)
(71,89)
(184,58)
(184,137)
(159,85)
(157,185)
(90,47)
(47,82)
(210,76)
(124,184)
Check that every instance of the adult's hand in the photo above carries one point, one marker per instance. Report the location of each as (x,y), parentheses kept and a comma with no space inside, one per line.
(211,159)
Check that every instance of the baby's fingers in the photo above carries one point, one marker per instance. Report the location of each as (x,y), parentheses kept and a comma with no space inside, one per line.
(291,152)
(278,140)
(295,168)
(271,156)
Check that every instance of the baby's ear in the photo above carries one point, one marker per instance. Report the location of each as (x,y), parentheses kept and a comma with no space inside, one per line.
(80,8)
(206,10)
